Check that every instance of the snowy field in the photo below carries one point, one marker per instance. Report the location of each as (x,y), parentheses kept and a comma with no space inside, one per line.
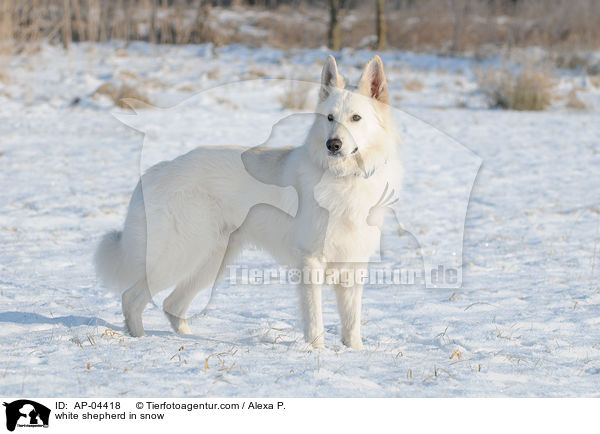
(525,323)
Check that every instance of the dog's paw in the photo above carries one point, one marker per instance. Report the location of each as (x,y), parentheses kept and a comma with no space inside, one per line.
(134,328)
(180,325)
(354,343)
(316,342)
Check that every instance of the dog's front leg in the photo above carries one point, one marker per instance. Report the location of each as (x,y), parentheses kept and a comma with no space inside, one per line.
(349,300)
(310,290)
(312,314)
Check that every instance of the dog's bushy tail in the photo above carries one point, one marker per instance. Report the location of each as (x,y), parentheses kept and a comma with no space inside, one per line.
(111,264)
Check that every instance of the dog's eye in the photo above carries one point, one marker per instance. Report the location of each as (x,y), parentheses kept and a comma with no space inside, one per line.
(356,118)
(330,117)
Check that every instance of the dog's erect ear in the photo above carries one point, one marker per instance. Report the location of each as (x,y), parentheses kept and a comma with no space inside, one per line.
(372,82)
(329,78)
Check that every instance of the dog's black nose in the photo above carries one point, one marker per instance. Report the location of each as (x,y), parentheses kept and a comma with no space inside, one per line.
(334,145)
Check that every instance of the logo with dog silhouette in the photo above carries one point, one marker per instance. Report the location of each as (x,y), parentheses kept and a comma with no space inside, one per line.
(26,413)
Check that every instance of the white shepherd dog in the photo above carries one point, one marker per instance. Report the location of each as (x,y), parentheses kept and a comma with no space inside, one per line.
(190,216)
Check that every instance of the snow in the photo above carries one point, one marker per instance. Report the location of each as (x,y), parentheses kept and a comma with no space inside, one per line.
(525,322)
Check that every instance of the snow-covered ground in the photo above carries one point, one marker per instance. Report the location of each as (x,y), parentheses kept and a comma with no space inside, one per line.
(525,323)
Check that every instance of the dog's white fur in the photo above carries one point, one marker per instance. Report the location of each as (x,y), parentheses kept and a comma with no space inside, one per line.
(190,216)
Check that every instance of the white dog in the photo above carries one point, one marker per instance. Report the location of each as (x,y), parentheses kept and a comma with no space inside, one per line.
(190,216)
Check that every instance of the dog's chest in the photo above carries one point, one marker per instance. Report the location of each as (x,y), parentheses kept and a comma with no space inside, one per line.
(348,236)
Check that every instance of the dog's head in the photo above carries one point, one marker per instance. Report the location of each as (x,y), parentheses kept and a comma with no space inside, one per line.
(353,133)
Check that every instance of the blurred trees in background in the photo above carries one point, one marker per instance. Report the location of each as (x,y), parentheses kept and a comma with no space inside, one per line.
(439,25)
(380,25)
(335,41)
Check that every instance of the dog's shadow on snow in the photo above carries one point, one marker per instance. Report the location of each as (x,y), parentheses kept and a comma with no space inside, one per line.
(92,321)
(68,321)
(71,321)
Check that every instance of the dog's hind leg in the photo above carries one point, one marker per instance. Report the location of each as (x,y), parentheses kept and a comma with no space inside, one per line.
(134,300)
(177,304)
